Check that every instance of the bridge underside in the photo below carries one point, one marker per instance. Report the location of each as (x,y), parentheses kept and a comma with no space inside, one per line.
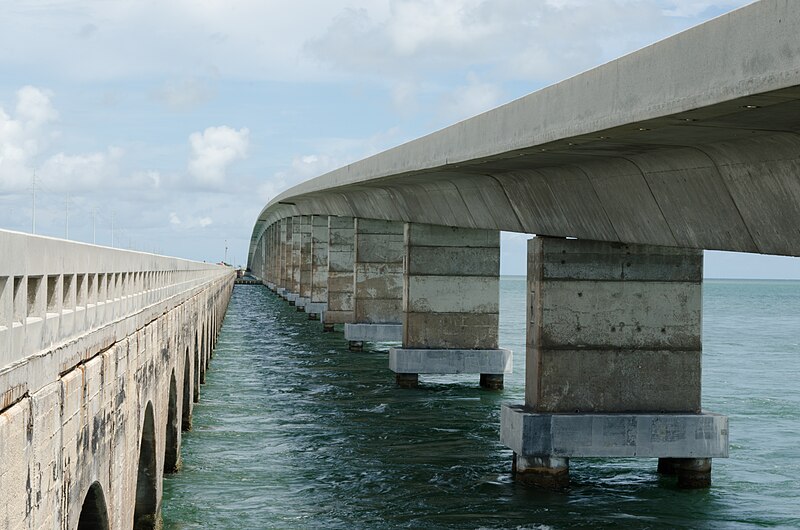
(725,178)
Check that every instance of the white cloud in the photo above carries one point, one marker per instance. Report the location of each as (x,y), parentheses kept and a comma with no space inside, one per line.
(471,99)
(24,136)
(214,150)
(82,172)
(189,222)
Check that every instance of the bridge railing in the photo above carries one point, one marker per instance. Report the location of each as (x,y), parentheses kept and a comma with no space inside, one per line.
(53,291)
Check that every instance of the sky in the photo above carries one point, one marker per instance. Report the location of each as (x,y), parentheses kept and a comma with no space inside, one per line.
(170,124)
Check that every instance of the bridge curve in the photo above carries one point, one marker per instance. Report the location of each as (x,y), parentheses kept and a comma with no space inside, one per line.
(690,142)
(92,343)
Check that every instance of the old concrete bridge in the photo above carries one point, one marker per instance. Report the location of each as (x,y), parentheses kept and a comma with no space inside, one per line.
(625,173)
(102,353)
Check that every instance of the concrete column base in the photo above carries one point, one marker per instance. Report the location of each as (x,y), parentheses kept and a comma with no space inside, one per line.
(450,361)
(407,380)
(315,310)
(302,302)
(270,286)
(492,381)
(328,327)
(694,473)
(543,471)
(684,442)
(356,345)
(374,333)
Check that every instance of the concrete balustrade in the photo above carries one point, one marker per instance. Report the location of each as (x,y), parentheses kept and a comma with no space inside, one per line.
(102,352)
(451,305)
(613,361)
(377,283)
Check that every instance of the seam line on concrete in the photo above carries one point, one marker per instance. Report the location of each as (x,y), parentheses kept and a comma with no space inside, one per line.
(596,196)
(724,182)
(655,200)
(510,203)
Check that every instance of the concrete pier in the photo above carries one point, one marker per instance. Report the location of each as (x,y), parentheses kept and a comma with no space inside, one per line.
(304,289)
(378,283)
(613,360)
(319,267)
(286,256)
(296,249)
(450,305)
(339,272)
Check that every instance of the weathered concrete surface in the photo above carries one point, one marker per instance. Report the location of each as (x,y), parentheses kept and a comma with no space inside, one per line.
(373,332)
(691,142)
(451,287)
(286,253)
(613,361)
(305,259)
(614,435)
(612,327)
(319,265)
(104,337)
(451,303)
(378,272)
(450,361)
(297,243)
(341,256)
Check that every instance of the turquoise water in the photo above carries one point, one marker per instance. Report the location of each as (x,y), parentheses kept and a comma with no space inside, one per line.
(295,431)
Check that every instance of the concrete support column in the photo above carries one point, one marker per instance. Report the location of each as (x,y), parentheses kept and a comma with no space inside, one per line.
(451,304)
(340,272)
(378,283)
(319,267)
(275,262)
(613,360)
(296,243)
(286,257)
(304,292)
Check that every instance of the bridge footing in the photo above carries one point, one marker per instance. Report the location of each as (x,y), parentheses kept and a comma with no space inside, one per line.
(543,443)
(491,364)
(373,332)
(315,310)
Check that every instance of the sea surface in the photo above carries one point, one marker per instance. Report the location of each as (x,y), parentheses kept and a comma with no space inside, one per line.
(294,431)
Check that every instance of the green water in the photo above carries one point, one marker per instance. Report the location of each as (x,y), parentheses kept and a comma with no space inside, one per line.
(295,431)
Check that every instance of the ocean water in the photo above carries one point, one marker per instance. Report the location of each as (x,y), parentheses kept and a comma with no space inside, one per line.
(294,431)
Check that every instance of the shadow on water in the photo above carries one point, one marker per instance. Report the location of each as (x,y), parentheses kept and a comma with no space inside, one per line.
(295,431)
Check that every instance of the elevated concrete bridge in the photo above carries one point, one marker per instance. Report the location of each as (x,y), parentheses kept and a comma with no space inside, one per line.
(102,353)
(625,173)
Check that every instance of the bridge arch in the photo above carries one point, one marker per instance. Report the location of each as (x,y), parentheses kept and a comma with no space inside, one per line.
(94,513)
(146,508)
(186,410)
(172,446)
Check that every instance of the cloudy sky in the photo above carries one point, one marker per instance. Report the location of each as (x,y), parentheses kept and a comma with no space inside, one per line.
(177,120)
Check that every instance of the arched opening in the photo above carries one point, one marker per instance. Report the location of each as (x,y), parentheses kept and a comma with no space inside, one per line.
(196,371)
(145,511)
(186,413)
(171,452)
(94,514)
